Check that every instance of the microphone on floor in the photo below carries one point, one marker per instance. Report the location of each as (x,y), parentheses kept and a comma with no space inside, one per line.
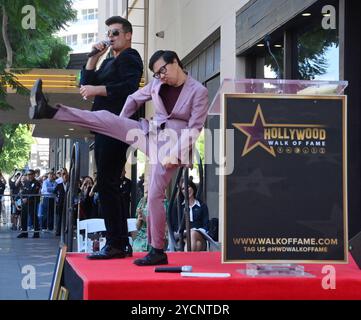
(174,269)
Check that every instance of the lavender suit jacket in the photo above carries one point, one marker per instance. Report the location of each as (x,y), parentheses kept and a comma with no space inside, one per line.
(189,112)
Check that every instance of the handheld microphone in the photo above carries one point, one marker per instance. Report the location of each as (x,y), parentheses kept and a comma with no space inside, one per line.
(95,50)
(267,40)
(174,269)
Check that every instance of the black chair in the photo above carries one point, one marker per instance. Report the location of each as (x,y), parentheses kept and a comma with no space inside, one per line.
(176,222)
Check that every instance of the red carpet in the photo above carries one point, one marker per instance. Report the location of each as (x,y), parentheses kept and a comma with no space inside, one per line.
(121,279)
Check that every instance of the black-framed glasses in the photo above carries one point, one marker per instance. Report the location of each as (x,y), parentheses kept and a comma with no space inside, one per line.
(162,70)
(113,32)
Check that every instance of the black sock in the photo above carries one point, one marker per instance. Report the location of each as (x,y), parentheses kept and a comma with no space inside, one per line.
(157,251)
(52,112)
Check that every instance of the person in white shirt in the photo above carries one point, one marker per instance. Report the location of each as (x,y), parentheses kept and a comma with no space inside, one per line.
(199,218)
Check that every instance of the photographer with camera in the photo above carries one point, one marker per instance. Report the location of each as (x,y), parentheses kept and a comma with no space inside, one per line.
(86,202)
(2,190)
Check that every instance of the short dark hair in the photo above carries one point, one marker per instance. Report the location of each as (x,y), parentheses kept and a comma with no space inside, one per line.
(30,171)
(192,185)
(127,26)
(167,55)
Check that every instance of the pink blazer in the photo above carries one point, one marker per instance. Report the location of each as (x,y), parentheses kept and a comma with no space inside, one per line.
(189,112)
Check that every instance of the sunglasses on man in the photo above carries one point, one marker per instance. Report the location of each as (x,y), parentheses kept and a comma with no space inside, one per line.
(114,32)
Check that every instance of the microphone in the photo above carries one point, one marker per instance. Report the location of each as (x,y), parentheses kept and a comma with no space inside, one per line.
(95,50)
(267,40)
(174,269)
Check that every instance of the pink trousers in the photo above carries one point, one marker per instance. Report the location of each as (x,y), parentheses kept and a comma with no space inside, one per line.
(109,124)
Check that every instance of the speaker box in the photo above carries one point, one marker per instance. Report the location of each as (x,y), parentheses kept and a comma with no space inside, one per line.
(355,248)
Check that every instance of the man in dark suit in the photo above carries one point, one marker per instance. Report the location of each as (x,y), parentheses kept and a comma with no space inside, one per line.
(60,193)
(125,192)
(110,85)
(30,203)
(180,111)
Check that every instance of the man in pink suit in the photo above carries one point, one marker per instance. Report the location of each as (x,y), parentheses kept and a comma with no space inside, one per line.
(180,105)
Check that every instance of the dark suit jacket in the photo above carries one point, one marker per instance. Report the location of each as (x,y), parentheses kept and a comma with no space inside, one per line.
(200,216)
(2,187)
(120,75)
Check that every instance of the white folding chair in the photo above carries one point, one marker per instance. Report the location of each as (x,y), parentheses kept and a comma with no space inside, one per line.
(132,226)
(213,245)
(90,226)
(97,225)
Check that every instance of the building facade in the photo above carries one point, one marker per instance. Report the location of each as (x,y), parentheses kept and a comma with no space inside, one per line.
(312,39)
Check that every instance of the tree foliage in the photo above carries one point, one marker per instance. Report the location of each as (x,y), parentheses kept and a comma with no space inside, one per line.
(31,48)
(23,48)
(15,152)
(312,49)
(51,16)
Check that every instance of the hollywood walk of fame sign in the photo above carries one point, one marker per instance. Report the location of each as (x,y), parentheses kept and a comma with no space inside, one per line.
(285,200)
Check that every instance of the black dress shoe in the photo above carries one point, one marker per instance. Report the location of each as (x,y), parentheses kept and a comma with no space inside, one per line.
(22,235)
(108,252)
(40,109)
(36,235)
(154,257)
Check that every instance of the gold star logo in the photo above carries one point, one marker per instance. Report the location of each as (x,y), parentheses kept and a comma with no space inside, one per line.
(255,133)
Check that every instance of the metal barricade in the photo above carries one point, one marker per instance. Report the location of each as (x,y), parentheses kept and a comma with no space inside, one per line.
(182,219)
(29,212)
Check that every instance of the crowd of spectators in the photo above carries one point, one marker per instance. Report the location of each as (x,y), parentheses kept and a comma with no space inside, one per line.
(36,200)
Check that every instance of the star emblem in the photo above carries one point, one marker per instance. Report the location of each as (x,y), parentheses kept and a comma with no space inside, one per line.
(255,133)
(332,158)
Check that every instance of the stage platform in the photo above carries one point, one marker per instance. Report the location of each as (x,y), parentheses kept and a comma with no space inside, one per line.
(120,279)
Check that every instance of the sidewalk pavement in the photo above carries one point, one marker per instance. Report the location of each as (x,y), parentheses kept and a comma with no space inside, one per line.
(16,255)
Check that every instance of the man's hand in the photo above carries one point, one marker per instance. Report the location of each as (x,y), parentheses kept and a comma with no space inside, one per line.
(140,214)
(170,162)
(89,91)
(101,46)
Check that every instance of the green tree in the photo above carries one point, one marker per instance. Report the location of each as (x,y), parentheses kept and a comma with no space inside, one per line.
(15,152)
(312,49)
(24,47)
(21,48)
(200,145)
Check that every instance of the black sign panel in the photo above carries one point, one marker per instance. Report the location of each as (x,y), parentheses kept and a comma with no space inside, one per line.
(285,199)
